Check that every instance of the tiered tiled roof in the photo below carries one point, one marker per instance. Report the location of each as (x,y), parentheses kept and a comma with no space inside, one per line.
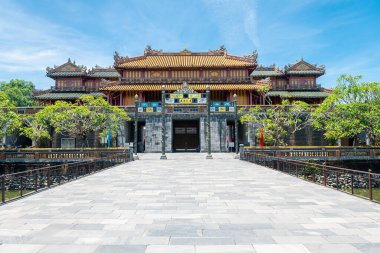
(270,71)
(66,95)
(69,69)
(184,59)
(298,94)
(304,68)
(99,72)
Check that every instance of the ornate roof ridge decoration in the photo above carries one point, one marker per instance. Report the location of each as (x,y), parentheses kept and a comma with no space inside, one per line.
(150,51)
(272,67)
(98,68)
(68,67)
(220,51)
(119,59)
(303,67)
(185,58)
(185,89)
(252,57)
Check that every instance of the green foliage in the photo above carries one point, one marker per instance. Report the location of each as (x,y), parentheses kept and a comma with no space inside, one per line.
(36,127)
(19,92)
(278,121)
(352,109)
(10,121)
(86,116)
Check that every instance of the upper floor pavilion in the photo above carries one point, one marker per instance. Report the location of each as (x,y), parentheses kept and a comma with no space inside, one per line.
(226,74)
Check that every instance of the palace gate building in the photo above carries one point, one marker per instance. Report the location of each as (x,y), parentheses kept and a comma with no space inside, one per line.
(184,76)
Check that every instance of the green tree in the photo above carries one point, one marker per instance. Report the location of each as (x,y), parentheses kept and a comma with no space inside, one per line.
(10,121)
(278,121)
(86,116)
(19,92)
(352,109)
(36,127)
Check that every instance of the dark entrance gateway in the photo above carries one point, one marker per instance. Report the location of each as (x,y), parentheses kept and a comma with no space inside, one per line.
(186,136)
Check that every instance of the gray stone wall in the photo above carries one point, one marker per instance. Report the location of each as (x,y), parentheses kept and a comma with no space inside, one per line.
(153,134)
(218,125)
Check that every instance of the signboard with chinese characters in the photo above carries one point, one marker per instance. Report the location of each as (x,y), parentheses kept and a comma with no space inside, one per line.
(150,107)
(185,96)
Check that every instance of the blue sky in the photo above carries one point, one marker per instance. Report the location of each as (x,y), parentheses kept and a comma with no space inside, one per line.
(343,35)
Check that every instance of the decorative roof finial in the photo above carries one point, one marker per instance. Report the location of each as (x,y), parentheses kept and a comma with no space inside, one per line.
(69,60)
(118,59)
(253,56)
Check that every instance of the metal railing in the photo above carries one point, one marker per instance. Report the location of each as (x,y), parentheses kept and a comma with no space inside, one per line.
(365,184)
(318,152)
(17,185)
(50,154)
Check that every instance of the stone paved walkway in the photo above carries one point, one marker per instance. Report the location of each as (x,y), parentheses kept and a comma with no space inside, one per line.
(189,204)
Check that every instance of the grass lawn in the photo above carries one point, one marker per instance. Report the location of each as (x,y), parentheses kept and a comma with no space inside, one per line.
(11,194)
(364,193)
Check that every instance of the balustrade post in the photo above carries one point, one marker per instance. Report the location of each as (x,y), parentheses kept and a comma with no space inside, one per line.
(337,179)
(3,189)
(35,182)
(21,185)
(48,177)
(370,184)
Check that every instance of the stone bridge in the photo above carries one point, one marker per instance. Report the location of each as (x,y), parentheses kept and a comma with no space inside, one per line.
(190,204)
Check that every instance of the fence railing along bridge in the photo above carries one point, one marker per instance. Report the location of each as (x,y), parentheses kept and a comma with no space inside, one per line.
(302,162)
(60,155)
(318,152)
(72,164)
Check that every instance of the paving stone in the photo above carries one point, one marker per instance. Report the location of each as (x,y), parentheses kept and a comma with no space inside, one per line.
(280,248)
(68,248)
(333,248)
(120,249)
(19,248)
(225,249)
(190,204)
(170,249)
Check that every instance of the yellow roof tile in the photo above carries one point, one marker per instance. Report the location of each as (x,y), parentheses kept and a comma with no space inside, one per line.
(186,61)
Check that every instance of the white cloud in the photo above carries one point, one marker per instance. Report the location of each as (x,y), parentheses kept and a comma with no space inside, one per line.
(30,44)
(363,62)
(235,20)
